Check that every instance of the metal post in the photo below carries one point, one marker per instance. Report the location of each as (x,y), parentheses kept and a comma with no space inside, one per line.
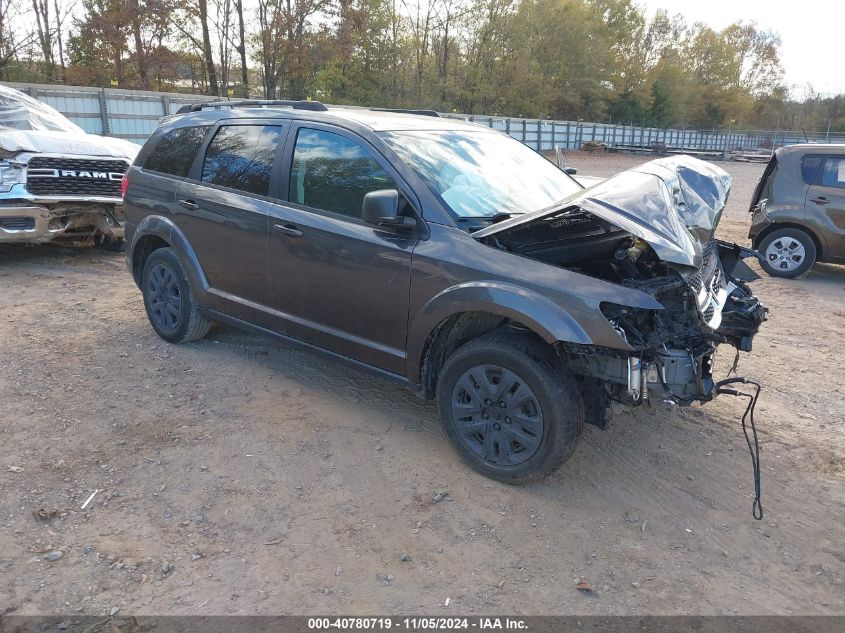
(104,112)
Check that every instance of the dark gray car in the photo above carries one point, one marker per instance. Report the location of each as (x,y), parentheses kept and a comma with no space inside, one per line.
(447,256)
(799,209)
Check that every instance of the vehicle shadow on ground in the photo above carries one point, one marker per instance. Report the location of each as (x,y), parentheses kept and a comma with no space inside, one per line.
(825,273)
(639,448)
(77,253)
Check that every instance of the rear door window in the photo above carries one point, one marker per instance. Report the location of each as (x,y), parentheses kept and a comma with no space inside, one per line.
(833,173)
(174,152)
(241,157)
(333,173)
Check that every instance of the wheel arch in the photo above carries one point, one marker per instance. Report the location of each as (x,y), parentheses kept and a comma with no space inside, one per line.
(467,312)
(155,232)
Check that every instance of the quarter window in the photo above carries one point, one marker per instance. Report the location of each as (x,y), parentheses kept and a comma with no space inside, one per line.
(241,157)
(333,173)
(174,152)
(833,173)
(809,166)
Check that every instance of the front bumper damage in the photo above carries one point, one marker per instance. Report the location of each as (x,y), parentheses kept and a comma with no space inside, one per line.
(651,229)
(674,350)
(28,218)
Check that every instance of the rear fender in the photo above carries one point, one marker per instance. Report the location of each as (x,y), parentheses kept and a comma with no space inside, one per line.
(167,230)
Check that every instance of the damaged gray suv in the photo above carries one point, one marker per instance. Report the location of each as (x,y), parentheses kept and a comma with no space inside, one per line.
(447,256)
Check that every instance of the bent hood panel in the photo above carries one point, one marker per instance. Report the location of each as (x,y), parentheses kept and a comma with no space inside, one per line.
(672,203)
(44,142)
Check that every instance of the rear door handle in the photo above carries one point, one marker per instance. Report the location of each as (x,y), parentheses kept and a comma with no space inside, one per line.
(287,229)
(820,200)
(189,204)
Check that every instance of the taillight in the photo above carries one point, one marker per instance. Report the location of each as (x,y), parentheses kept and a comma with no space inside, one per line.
(124,185)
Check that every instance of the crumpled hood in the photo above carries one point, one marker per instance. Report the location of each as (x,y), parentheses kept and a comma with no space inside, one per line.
(672,203)
(51,142)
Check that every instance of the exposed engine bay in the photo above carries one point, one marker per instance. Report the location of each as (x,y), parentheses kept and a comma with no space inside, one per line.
(701,282)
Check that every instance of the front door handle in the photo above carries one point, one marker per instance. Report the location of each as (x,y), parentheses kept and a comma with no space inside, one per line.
(287,229)
(820,200)
(189,204)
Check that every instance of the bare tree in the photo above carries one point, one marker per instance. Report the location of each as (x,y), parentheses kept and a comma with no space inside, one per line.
(11,42)
(202,5)
(41,8)
(241,48)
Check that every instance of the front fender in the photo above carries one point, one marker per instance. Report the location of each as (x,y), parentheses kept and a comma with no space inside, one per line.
(167,230)
(543,316)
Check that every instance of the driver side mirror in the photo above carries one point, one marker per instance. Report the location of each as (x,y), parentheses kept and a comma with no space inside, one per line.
(570,170)
(382,209)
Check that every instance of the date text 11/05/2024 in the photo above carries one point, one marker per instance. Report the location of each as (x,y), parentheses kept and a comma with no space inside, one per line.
(416,624)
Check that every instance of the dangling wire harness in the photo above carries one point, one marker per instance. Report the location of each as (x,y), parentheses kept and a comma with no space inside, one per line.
(748,417)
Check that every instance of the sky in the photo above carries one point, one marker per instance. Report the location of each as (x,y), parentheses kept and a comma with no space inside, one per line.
(811,33)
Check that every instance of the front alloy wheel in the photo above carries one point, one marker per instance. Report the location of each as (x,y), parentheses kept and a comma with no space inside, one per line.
(509,407)
(497,416)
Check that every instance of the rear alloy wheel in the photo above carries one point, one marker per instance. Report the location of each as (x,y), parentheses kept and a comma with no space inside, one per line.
(509,407)
(788,252)
(168,299)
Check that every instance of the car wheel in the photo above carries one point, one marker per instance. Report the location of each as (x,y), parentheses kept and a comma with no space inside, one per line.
(509,407)
(168,300)
(788,252)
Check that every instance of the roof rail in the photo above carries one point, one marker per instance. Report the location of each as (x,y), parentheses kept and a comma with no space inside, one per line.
(253,103)
(404,111)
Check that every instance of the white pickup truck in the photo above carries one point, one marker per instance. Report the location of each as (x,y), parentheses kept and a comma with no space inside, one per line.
(56,180)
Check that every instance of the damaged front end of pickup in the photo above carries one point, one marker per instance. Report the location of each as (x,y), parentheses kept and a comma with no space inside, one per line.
(649,229)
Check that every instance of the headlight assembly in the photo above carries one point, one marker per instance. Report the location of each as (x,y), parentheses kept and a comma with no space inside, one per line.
(11,174)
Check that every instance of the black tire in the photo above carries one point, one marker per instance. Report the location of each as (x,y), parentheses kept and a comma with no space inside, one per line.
(169,300)
(781,262)
(496,451)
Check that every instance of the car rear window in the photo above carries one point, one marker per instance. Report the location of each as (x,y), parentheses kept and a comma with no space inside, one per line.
(833,173)
(241,157)
(809,167)
(173,153)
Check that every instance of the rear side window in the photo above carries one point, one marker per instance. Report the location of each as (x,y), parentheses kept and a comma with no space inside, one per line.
(332,173)
(833,173)
(174,152)
(241,157)
(809,167)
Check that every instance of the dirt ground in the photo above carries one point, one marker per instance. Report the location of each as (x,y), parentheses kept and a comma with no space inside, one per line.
(239,475)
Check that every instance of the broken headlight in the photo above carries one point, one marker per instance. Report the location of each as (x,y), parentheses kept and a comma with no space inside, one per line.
(635,323)
(11,174)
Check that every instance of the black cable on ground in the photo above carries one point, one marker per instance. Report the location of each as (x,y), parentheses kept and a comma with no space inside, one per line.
(748,417)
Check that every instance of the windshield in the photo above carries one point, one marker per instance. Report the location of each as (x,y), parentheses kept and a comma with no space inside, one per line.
(21,112)
(482,174)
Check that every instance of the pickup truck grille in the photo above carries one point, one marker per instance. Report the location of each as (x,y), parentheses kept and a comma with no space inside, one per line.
(49,176)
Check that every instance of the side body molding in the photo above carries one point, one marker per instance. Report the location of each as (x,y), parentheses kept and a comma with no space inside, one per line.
(533,310)
(167,230)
